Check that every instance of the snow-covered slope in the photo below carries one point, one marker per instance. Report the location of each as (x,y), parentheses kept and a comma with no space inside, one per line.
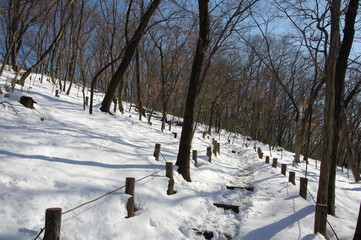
(72,157)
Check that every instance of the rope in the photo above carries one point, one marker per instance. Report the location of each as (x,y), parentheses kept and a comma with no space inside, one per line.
(41,231)
(333,230)
(313,199)
(108,193)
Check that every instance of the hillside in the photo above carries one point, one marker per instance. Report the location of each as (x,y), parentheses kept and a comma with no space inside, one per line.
(58,155)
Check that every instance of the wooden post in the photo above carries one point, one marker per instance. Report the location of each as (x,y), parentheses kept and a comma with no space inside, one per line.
(169,170)
(169,174)
(86,101)
(130,207)
(218,148)
(320,218)
(274,163)
(267,159)
(283,168)
(130,185)
(56,93)
(291,178)
(156,151)
(303,187)
(215,148)
(129,189)
(194,157)
(170,190)
(52,224)
(209,153)
(260,154)
(358,226)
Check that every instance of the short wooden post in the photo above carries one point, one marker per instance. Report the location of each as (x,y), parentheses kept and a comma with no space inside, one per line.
(283,168)
(303,187)
(209,153)
(214,148)
(194,157)
(358,226)
(320,218)
(156,151)
(169,170)
(169,174)
(218,148)
(130,185)
(129,189)
(130,207)
(291,178)
(274,163)
(170,190)
(260,154)
(52,224)
(56,93)
(267,159)
(86,101)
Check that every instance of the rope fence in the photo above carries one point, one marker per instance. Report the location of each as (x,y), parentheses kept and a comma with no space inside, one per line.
(274,164)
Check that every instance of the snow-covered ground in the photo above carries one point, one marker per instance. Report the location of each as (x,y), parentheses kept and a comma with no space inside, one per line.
(72,157)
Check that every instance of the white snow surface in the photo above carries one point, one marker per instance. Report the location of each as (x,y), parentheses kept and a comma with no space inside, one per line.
(72,157)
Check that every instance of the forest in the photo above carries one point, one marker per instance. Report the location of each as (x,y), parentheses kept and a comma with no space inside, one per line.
(286,73)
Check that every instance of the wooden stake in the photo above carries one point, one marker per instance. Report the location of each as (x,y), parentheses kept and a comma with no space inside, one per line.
(274,163)
(303,187)
(209,153)
(130,207)
(267,159)
(291,178)
(52,224)
(130,185)
(283,168)
(169,170)
(156,151)
(194,157)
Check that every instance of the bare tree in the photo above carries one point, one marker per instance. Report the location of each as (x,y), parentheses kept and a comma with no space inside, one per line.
(129,51)
(183,160)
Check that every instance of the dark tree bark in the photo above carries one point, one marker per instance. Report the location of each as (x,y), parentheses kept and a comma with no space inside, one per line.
(183,160)
(138,85)
(128,55)
(341,67)
(336,67)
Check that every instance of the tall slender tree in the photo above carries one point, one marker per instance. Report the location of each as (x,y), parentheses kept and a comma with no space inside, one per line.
(129,51)
(183,160)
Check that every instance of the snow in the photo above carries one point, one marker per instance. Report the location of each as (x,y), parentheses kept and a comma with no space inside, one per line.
(72,157)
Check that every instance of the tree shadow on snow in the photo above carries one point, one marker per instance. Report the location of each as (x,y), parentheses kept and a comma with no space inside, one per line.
(83,163)
(267,232)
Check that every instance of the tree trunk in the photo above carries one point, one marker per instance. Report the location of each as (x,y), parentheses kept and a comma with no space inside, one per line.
(128,55)
(330,68)
(339,83)
(139,90)
(183,160)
